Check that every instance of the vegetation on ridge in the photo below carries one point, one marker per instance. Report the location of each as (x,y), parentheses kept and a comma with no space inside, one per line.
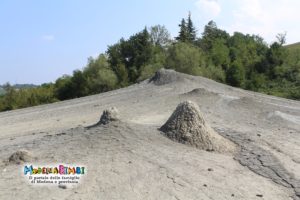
(240,60)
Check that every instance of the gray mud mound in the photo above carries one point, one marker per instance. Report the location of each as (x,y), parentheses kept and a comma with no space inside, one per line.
(19,157)
(109,115)
(166,76)
(187,125)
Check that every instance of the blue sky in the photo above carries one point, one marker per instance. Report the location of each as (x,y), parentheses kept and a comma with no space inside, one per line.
(42,40)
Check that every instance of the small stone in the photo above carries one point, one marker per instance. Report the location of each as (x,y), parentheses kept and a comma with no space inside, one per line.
(62,186)
(232,195)
(205,185)
(259,195)
(210,169)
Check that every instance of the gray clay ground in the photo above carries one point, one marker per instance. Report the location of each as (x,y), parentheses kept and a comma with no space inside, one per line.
(129,158)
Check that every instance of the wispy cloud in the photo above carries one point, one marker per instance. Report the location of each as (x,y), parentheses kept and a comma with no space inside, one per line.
(267,18)
(48,37)
(209,8)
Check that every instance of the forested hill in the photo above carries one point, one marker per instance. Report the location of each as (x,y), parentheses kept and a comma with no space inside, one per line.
(240,60)
(16,87)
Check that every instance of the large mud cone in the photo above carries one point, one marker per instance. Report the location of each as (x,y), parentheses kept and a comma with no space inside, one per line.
(109,115)
(166,76)
(187,125)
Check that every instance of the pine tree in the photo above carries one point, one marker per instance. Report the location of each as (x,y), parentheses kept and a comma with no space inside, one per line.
(187,31)
(191,31)
(183,33)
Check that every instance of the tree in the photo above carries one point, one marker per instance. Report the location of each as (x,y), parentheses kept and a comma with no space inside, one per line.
(157,61)
(281,38)
(183,33)
(185,58)
(9,101)
(275,57)
(100,76)
(191,31)
(128,56)
(219,53)
(235,75)
(63,87)
(211,33)
(116,59)
(187,31)
(160,36)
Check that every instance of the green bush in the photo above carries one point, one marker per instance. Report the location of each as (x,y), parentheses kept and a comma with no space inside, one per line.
(214,72)
(99,76)
(185,58)
(235,75)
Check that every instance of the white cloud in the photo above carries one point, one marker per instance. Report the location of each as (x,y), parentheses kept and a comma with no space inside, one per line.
(267,18)
(48,37)
(210,8)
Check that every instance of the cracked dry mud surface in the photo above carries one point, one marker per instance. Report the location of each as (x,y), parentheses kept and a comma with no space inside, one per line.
(131,159)
(262,162)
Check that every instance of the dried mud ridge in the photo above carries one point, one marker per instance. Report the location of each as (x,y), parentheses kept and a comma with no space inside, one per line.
(261,161)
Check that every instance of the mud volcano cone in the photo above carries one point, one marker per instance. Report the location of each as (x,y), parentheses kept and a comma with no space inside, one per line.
(19,157)
(166,76)
(187,125)
(109,115)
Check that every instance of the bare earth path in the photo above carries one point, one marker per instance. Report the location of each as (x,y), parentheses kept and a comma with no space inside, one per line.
(132,160)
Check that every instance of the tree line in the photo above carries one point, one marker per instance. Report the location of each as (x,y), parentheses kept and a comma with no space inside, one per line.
(240,60)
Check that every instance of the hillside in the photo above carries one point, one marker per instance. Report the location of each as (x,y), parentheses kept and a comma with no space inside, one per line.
(130,158)
(24,86)
(241,60)
(295,46)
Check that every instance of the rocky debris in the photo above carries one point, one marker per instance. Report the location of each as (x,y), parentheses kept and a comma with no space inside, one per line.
(187,125)
(19,157)
(109,115)
(166,76)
